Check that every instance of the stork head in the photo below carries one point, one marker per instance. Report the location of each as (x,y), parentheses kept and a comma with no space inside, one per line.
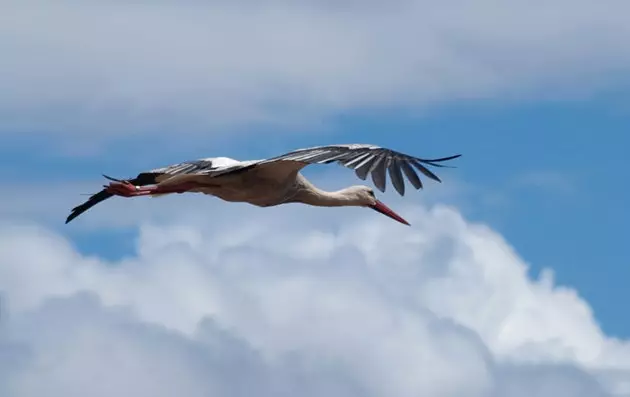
(364,196)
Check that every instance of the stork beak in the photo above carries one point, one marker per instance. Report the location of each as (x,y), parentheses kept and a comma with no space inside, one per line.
(385,210)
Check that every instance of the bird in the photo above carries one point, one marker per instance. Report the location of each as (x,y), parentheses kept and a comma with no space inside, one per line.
(278,180)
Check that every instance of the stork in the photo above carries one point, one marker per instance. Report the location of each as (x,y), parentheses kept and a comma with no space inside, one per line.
(277,180)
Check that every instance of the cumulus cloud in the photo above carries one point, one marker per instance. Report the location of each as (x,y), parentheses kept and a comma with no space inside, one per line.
(116,69)
(336,308)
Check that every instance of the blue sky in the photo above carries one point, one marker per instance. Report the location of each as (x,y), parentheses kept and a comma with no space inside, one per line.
(574,222)
(300,300)
(547,175)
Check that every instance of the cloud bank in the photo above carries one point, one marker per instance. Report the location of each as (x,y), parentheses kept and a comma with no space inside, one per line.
(363,308)
(115,69)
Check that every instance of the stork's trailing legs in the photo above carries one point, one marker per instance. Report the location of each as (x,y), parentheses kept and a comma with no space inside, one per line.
(127,189)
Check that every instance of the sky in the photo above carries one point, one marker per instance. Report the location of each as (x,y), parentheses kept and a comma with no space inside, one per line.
(510,281)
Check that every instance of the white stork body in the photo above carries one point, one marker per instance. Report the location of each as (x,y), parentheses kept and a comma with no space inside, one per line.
(277,180)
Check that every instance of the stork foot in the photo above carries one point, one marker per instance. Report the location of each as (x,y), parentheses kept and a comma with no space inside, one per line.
(127,189)
(124,189)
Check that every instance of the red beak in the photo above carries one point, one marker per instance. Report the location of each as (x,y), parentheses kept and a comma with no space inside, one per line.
(385,210)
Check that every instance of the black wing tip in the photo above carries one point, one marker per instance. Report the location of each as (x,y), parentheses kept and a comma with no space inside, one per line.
(433,162)
(442,159)
(448,157)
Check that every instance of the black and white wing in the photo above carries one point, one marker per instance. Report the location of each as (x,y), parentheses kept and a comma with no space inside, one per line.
(208,166)
(368,159)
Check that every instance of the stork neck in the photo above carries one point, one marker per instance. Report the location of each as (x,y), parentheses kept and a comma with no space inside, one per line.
(308,193)
(322,198)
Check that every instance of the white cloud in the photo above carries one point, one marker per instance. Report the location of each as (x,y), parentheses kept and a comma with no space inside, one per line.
(336,308)
(123,69)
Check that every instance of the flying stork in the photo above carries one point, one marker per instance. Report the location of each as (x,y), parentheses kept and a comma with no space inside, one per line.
(278,180)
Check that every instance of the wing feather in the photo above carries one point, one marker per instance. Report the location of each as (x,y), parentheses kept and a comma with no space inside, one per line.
(411,174)
(395,175)
(364,160)
(379,177)
(425,170)
(364,168)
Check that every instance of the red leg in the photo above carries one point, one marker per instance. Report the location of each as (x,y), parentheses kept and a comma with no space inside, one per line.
(127,189)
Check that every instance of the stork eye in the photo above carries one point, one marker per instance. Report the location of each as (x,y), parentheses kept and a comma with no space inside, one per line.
(371,192)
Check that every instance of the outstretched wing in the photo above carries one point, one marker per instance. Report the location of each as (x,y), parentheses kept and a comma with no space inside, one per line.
(209,166)
(367,159)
